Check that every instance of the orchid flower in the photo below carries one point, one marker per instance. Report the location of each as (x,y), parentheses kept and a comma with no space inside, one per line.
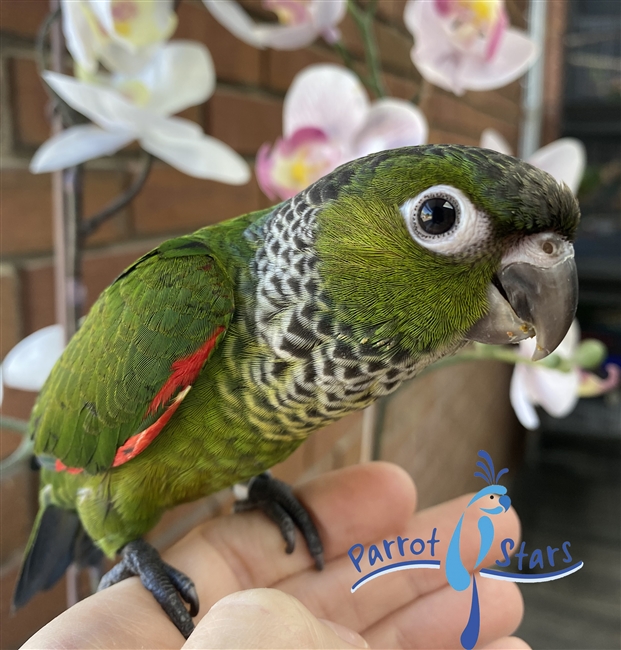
(301,22)
(555,390)
(122,34)
(466,44)
(565,159)
(327,121)
(125,108)
(28,364)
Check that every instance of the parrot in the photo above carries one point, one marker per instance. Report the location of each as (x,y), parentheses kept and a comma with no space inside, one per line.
(213,357)
(491,500)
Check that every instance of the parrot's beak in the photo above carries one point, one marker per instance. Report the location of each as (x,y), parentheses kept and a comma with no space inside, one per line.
(535,293)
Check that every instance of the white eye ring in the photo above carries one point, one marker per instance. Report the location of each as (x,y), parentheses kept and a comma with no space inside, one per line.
(470,230)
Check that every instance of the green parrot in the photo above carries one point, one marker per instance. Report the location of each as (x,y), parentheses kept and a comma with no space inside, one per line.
(215,355)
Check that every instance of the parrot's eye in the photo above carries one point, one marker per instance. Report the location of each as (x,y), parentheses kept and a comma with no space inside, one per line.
(491,497)
(444,220)
(437,216)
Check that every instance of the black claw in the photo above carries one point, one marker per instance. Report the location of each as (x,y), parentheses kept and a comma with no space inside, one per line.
(167,584)
(279,503)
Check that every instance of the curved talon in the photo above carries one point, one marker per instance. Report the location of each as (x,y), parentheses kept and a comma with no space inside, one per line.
(167,584)
(276,499)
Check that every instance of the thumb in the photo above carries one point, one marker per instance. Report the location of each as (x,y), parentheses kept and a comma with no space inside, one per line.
(268,618)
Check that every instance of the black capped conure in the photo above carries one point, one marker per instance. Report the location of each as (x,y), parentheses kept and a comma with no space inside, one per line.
(215,355)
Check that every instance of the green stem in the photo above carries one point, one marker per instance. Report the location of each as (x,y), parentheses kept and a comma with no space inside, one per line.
(364,22)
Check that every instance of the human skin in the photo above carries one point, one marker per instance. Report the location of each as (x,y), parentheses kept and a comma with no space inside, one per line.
(253,595)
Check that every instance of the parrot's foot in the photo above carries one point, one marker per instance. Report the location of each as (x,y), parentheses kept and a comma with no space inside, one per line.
(278,502)
(167,584)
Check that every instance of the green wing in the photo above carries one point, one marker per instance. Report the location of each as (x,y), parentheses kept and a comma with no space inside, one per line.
(162,309)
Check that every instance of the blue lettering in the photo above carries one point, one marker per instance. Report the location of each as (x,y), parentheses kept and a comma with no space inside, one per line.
(520,555)
(503,547)
(433,541)
(422,546)
(374,555)
(551,552)
(536,559)
(356,560)
(400,542)
(565,546)
(387,545)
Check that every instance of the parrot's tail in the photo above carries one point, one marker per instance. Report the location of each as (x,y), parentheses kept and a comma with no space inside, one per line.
(57,540)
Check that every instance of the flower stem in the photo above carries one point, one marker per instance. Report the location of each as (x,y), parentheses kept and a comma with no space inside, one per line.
(364,22)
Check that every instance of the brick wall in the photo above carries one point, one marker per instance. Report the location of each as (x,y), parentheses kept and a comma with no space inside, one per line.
(433,427)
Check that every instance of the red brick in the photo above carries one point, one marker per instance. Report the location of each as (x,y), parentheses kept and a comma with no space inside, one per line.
(10,325)
(27,209)
(23,17)
(292,468)
(438,136)
(26,223)
(100,269)
(401,87)
(392,11)
(17,510)
(283,66)
(244,120)
(30,103)
(495,105)
(448,113)
(172,202)
(233,59)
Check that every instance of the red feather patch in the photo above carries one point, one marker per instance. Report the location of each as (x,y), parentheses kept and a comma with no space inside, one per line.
(184,372)
(138,443)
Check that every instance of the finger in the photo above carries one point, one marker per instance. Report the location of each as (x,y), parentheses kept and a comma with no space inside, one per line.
(246,550)
(329,592)
(349,503)
(267,618)
(438,619)
(507,643)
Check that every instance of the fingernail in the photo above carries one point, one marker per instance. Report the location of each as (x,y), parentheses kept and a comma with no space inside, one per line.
(349,636)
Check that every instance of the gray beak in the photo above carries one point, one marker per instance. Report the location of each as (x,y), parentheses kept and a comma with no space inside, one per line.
(535,293)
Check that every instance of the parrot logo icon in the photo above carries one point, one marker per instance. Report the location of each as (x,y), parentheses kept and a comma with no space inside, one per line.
(490,501)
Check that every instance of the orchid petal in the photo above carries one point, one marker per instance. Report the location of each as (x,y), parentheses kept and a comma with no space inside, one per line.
(568,346)
(328,14)
(591,385)
(556,391)
(29,363)
(199,156)
(104,106)
(516,53)
(80,36)
(181,75)
(390,123)
(565,159)
(76,145)
(520,401)
(239,23)
(327,97)
(491,139)
(119,59)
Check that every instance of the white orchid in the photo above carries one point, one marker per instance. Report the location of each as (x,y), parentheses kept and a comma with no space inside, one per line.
(122,34)
(125,108)
(327,121)
(557,391)
(466,44)
(301,22)
(28,364)
(565,159)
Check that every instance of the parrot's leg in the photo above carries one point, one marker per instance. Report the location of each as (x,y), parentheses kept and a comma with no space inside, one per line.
(277,501)
(167,584)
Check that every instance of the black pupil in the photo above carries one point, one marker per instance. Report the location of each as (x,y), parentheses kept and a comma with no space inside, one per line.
(437,216)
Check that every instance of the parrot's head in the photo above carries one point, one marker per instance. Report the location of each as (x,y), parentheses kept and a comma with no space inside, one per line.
(439,244)
(492,500)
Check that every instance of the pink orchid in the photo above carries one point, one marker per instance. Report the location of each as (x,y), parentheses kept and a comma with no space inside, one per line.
(466,44)
(327,121)
(565,159)
(300,22)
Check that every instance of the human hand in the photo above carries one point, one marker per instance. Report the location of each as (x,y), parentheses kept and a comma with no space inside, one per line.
(231,558)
